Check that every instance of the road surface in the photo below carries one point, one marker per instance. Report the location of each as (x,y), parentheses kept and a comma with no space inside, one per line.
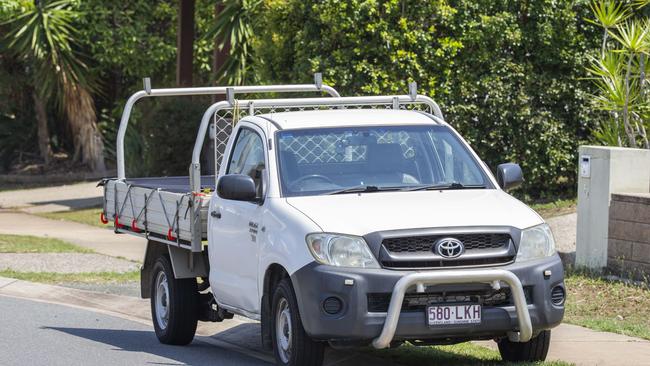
(36,333)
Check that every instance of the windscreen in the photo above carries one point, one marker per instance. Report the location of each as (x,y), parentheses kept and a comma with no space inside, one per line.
(331,160)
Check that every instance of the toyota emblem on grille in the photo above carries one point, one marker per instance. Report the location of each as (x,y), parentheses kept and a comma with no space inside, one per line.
(449,247)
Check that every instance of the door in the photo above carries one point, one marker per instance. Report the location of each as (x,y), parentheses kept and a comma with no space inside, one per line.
(235,227)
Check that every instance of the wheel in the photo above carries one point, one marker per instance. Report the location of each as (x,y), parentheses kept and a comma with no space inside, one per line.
(173,305)
(535,349)
(291,345)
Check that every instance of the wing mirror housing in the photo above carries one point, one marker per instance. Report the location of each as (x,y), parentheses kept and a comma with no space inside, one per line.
(509,176)
(237,187)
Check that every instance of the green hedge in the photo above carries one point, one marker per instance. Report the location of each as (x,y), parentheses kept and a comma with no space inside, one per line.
(507,73)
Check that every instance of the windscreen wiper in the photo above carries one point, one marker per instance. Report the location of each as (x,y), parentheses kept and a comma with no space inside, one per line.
(364,189)
(450,186)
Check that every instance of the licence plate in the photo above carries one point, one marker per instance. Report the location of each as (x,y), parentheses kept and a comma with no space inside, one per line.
(454,314)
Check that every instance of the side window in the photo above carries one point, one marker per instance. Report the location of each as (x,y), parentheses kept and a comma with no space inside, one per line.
(248,157)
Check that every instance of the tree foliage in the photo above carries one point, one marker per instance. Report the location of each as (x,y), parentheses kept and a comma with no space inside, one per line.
(43,36)
(620,73)
(507,73)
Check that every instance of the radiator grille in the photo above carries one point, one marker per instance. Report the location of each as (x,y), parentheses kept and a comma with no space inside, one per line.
(415,244)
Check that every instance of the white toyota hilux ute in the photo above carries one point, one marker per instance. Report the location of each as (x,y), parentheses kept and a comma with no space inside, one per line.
(343,226)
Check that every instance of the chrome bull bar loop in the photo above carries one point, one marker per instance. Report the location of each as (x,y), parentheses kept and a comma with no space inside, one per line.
(421,279)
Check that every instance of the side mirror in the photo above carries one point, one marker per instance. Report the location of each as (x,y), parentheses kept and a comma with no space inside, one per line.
(237,187)
(509,176)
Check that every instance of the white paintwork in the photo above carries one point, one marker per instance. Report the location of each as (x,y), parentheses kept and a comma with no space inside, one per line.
(233,249)
(612,170)
(238,263)
(360,214)
(347,117)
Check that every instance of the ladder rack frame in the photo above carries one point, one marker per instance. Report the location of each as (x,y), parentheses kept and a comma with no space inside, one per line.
(230,92)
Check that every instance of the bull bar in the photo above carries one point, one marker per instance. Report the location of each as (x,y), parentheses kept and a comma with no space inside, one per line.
(421,279)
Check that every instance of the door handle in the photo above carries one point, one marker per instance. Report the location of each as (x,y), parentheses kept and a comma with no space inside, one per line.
(215,214)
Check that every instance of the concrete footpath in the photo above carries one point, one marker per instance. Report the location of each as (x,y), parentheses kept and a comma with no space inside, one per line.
(51,199)
(100,240)
(569,343)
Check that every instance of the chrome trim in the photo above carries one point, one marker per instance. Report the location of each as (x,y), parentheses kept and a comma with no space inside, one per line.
(491,276)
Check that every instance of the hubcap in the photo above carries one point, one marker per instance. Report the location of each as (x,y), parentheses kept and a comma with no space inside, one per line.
(162,300)
(283,330)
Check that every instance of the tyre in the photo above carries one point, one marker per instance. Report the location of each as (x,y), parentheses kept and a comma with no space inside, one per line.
(173,305)
(535,349)
(291,345)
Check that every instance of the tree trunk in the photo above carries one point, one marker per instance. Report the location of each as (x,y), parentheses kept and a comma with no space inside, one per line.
(43,131)
(626,113)
(82,120)
(185,43)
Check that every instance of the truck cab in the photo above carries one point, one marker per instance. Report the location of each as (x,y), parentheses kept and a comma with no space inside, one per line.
(338,206)
(339,221)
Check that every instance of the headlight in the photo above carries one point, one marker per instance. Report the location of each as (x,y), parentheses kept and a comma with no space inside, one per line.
(536,242)
(341,250)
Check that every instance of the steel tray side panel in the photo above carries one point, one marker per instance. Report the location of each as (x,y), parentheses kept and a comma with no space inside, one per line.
(165,210)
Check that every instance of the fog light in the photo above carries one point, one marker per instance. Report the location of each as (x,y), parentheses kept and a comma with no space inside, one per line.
(558,296)
(332,305)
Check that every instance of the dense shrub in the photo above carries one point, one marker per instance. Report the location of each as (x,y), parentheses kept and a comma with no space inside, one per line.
(507,73)
(168,134)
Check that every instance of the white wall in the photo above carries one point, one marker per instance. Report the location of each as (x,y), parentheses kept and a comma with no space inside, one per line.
(613,170)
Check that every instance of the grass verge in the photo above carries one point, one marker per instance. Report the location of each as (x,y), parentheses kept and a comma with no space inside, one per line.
(459,354)
(88,216)
(88,277)
(611,306)
(555,208)
(33,244)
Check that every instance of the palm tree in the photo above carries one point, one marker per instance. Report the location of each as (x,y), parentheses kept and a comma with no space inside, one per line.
(233,34)
(620,72)
(44,38)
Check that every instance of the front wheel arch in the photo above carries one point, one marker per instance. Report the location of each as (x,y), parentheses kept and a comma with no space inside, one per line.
(273,275)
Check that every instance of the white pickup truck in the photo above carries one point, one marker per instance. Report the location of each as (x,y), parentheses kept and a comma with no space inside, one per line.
(340,221)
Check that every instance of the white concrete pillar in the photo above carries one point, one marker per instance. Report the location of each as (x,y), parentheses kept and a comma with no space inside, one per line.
(601,172)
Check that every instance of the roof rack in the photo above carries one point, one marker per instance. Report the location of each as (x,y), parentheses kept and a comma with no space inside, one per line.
(259,106)
(230,92)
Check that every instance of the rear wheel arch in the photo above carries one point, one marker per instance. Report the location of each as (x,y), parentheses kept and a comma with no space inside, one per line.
(179,259)
(154,251)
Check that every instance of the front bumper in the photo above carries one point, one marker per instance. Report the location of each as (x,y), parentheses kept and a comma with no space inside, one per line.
(355,323)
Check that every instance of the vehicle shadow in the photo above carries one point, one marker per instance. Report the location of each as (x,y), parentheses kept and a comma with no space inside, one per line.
(196,353)
(248,336)
(73,204)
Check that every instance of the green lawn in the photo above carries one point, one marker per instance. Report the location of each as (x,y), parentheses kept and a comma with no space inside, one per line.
(610,306)
(555,208)
(33,244)
(459,354)
(88,216)
(88,277)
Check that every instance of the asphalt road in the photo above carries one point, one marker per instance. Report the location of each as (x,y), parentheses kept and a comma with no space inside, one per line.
(36,333)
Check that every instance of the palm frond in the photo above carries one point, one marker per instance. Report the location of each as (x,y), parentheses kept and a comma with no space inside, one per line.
(609,13)
(640,3)
(633,36)
(234,28)
(44,36)
(608,66)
